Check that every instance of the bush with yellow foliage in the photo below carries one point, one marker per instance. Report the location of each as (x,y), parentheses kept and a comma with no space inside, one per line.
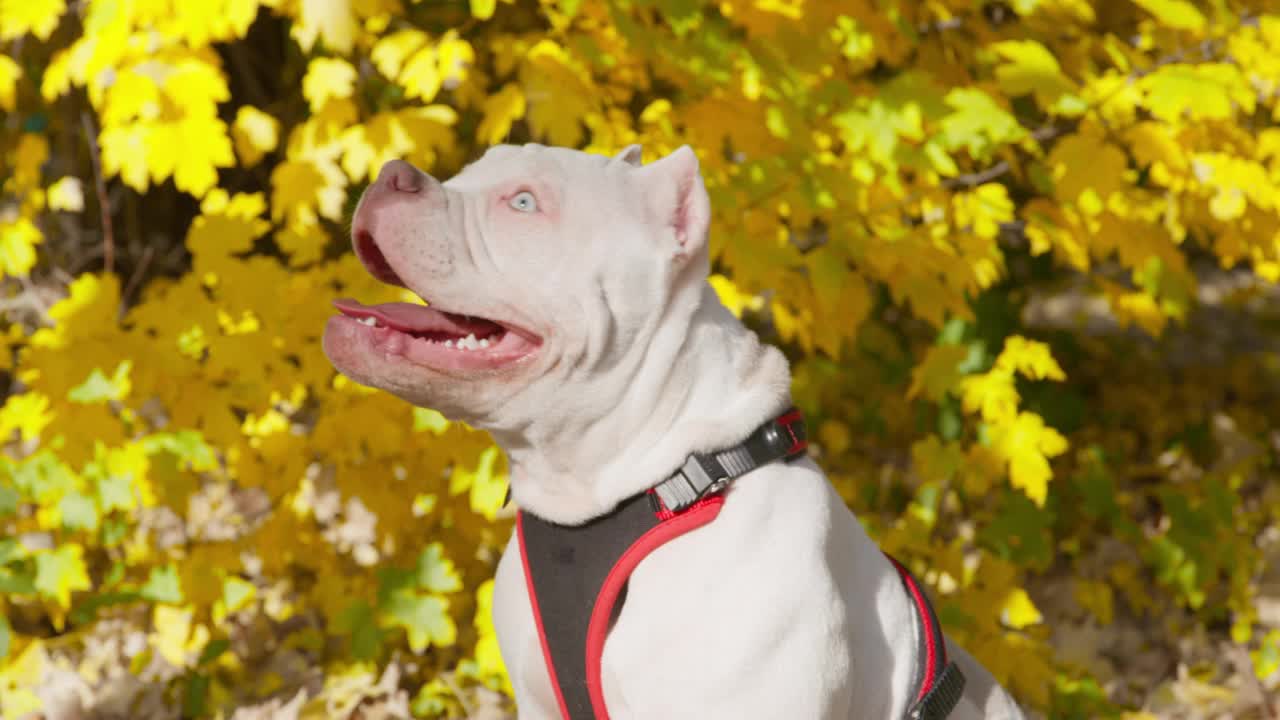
(1022,253)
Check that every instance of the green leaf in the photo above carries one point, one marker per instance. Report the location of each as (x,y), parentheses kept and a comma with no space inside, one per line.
(424,617)
(196,696)
(9,499)
(237,593)
(78,511)
(115,492)
(60,572)
(360,621)
(99,389)
(163,586)
(1020,531)
(213,651)
(436,572)
(6,637)
(978,124)
(187,445)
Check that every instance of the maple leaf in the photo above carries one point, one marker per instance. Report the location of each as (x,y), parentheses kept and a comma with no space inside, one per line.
(939,372)
(488,486)
(435,572)
(255,133)
(557,93)
(38,17)
(66,194)
(18,240)
(1026,444)
(60,572)
(326,79)
(1029,357)
(1198,92)
(1030,68)
(978,124)
(1176,14)
(1018,611)
(10,71)
(424,617)
(992,393)
(501,110)
(332,22)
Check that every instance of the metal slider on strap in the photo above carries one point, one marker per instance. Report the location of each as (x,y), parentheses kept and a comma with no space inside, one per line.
(781,438)
(689,483)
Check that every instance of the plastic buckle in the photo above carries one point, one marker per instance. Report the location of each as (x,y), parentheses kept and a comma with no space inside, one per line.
(684,488)
(793,423)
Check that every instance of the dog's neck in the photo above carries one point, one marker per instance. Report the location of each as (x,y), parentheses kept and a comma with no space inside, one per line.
(700,384)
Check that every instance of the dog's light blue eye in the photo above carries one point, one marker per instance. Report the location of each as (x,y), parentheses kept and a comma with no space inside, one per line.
(524,202)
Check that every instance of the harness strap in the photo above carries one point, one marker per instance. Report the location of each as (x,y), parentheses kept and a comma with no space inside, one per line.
(577,575)
(939,684)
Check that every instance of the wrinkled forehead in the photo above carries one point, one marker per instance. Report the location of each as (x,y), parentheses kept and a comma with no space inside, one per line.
(506,163)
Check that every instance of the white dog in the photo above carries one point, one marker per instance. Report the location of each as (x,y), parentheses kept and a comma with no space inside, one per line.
(571,317)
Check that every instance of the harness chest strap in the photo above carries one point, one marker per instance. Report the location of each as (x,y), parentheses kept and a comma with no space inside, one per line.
(577,575)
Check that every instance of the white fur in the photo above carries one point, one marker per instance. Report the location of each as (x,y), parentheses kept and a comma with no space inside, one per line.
(780,608)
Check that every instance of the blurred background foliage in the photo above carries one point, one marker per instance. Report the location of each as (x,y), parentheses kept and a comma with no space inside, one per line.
(1022,253)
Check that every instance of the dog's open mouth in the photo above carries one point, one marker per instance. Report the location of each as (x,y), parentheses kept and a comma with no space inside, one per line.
(429,335)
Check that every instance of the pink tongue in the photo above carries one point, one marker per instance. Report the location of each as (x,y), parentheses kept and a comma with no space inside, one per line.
(411,318)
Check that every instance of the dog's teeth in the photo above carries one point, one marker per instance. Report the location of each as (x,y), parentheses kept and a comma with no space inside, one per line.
(469,343)
(448,343)
(370,321)
(484,343)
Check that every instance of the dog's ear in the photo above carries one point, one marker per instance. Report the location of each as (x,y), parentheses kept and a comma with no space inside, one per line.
(630,155)
(679,199)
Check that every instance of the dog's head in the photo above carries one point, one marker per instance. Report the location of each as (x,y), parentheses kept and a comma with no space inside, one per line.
(545,271)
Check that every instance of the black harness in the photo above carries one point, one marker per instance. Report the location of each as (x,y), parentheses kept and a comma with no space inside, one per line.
(577,575)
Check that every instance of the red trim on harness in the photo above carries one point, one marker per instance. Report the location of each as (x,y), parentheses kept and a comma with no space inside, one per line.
(537,618)
(673,526)
(933,662)
(796,443)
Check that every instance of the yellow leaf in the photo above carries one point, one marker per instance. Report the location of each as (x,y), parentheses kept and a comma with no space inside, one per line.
(558,93)
(66,194)
(1027,444)
(1018,611)
(305,188)
(421,75)
(18,679)
(28,158)
(483,9)
(333,22)
(993,394)
(1086,163)
(328,78)
(9,74)
(500,110)
(18,240)
(38,17)
(390,52)
(172,629)
(454,57)
(938,373)
(1030,68)
(1029,357)
(1176,14)
(1206,91)
(732,297)
(255,133)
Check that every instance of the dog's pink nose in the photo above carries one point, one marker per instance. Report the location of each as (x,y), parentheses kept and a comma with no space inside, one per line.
(400,176)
